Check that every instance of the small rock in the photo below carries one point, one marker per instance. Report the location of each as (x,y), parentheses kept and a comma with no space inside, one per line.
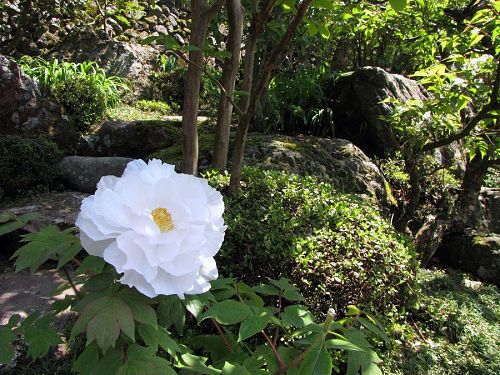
(82,173)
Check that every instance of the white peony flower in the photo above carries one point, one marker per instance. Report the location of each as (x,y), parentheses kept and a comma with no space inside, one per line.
(159,228)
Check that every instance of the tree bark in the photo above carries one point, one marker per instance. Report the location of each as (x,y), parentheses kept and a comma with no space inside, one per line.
(275,58)
(235,13)
(201,15)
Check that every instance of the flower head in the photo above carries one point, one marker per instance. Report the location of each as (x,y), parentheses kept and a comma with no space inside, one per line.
(159,228)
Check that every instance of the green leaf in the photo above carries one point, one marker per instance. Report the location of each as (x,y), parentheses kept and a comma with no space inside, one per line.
(317,361)
(234,369)
(48,243)
(91,264)
(171,311)
(227,312)
(353,311)
(149,335)
(196,303)
(296,316)
(167,343)
(87,361)
(253,324)
(7,350)
(141,361)
(11,227)
(398,5)
(197,364)
(266,290)
(283,284)
(40,337)
(293,295)
(249,295)
(109,363)
(343,345)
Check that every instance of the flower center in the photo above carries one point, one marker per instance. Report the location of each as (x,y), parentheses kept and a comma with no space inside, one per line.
(163,219)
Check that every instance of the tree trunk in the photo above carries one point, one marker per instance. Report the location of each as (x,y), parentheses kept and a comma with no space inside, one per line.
(201,15)
(276,57)
(235,14)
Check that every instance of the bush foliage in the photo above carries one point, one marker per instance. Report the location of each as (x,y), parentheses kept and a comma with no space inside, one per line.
(335,246)
(27,163)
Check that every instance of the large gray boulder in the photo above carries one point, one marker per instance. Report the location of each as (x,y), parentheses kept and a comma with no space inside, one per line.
(485,218)
(23,109)
(123,59)
(134,139)
(336,161)
(478,254)
(82,173)
(356,102)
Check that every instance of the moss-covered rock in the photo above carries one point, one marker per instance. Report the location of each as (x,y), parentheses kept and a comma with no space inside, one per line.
(336,161)
(134,139)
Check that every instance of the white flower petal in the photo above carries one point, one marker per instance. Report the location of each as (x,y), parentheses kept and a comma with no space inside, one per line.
(156,254)
(115,256)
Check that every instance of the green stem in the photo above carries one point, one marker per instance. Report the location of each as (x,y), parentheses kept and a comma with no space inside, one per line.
(70,281)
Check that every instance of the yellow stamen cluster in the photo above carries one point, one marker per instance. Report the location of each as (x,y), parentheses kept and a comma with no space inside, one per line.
(163,219)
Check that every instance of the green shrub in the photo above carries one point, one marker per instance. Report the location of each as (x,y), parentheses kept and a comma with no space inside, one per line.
(83,89)
(335,246)
(156,106)
(27,164)
(84,102)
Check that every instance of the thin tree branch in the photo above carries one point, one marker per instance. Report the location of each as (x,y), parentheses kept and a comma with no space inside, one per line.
(273,348)
(483,114)
(70,281)
(211,76)
(221,332)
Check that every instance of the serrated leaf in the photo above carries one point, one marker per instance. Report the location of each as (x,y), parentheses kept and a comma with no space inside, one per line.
(227,312)
(40,338)
(105,327)
(253,324)
(48,243)
(88,360)
(170,312)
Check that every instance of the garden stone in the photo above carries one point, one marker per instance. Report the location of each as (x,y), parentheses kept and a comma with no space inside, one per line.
(82,173)
(336,161)
(130,138)
(23,109)
(485,217)
(123,59)
(478,254)
(55,208)
(356,103)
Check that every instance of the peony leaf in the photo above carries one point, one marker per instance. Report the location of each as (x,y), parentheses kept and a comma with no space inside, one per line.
(149,335)
(398,5)
(317,361)
(266,290)
(227,312)
(197,364)
(91,264)
(167,343)
(196,303)
(7,350)
(253,325)
(39,335)
(234,369)
(109,363)
(170,312)
(296,316)
(143,361)
(87,361)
